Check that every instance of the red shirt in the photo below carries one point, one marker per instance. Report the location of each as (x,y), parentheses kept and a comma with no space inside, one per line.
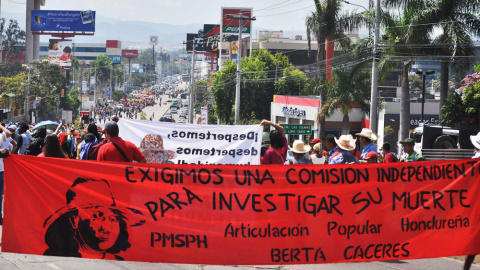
(108,152)
(276,156)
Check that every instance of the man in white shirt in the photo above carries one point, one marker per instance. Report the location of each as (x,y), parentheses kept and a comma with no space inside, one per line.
(5,143)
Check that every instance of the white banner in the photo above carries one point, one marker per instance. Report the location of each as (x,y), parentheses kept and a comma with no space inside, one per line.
(194,144)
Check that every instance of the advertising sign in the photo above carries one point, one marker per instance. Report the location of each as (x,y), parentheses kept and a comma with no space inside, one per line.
(204,115)
(92,83)
(211,37)
(116,59)
(153,40)
(84,86)
(194,144)
(231,25)
(63,20)
(241,214)
(199,46)
(130,53)
(60,52)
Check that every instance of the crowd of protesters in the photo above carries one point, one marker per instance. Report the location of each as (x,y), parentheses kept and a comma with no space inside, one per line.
(341,150)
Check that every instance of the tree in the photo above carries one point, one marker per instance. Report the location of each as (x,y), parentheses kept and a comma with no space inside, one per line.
(257,86)
(350,88)
(11,37)
(458,21)
(400,35)
(326,24)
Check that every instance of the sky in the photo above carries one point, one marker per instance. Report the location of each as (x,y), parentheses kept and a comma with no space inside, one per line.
(286,15)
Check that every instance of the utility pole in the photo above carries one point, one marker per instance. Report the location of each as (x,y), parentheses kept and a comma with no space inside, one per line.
(28,94)
(374,90)
(241,18)
(192,73)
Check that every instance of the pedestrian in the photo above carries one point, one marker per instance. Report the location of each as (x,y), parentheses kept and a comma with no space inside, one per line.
(476,143)
(5,139)
(388,157)
(318,155)
(65,139)
(314,141)
(23,139)
(371,157)
(332,148)
(345,144)
(93,129)
(277,153)
(366,140)
(52,148)
(410,154)
(117,149)
(35,145)
(300,153)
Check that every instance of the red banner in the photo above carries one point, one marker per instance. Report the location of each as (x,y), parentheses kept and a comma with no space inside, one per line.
(219,214)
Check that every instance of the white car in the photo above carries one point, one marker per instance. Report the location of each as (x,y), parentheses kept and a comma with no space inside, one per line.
(173,109)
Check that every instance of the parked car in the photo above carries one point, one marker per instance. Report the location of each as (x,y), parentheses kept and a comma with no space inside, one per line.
(182,119)
(173,109)
(168,115)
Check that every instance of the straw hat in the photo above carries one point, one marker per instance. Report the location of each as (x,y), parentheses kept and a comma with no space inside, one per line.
(346,142)
(367,133)
(299,147)
(475,140)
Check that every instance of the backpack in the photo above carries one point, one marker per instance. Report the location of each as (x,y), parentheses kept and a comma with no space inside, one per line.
(34,147)
(395,159)
(93,151)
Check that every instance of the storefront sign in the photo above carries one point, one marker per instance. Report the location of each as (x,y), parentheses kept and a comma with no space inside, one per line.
(294,111)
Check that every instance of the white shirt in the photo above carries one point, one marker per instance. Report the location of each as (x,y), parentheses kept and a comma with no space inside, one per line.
(5,143)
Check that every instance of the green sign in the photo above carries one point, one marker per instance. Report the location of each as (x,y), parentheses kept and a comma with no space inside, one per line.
(297,129)
(235,30)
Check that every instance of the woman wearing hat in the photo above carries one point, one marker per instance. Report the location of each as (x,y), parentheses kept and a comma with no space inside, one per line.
(476,143)
(366,139)
(299,149)
(345,144)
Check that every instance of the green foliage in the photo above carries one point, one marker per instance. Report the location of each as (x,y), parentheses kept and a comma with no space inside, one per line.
(117,95)
(350,88)
(258,85)
(143,116)
(292,82)
(11,36)
(476,67)
(453,109)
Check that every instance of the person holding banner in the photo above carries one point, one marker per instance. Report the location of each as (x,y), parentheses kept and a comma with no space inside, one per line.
(366,139)
(345,143)
(299,149)
(332,147)
(277,153)
(410,154)
(116,149)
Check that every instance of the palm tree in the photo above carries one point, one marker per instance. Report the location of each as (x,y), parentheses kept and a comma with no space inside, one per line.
(326,24)
(400,37)
(458,21)
(350,88)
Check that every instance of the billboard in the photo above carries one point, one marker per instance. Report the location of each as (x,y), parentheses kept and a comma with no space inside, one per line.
(60,52)
(231,25)
(190,38)
(211,37)
(130,53)
(116,59)
(63,20)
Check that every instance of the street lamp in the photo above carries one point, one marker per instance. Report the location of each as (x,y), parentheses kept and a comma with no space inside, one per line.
(424,74)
